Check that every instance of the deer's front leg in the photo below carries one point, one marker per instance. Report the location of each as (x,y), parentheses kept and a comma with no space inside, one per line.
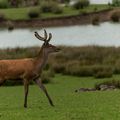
(40,84)
(26,87)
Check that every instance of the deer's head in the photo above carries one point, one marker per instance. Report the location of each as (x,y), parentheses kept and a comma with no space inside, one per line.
(47,47)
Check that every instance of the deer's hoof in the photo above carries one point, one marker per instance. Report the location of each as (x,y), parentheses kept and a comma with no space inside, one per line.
(25,106)
(51,103)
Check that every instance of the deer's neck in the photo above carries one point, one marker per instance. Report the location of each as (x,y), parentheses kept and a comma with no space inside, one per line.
(41,61)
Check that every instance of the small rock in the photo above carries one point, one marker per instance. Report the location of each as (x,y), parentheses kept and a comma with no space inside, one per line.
(85,89)
(103,87)
(92,89)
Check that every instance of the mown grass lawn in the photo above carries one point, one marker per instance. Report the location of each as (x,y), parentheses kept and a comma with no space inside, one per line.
(68,104)
(22,13)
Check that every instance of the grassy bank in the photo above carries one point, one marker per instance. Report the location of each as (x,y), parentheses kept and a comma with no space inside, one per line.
(22,13)
(68,104)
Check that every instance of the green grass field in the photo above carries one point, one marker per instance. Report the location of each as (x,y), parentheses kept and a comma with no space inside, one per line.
(22,13)
(68,104)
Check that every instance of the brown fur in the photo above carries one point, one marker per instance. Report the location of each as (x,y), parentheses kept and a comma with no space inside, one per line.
(15,69)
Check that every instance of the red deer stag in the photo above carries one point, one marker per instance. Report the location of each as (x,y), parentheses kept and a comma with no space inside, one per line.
(29,68)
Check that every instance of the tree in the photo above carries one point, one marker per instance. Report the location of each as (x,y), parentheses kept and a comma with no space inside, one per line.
(80,4)
(15,3)
(116,2)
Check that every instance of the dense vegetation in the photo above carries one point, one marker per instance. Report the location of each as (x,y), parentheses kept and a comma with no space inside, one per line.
(87,61)
(94,61)
(116,3)
(80,4)
(115,16)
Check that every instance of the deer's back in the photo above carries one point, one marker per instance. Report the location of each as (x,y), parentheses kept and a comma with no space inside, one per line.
(13,69)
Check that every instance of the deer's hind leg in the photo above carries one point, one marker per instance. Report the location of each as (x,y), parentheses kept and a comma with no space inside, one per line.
(26,87)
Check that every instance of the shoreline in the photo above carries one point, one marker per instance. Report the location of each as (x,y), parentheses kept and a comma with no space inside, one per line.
(60,21)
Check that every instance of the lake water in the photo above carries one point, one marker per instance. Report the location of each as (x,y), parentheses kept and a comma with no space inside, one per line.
(100,1)
(106,34)
(95,1)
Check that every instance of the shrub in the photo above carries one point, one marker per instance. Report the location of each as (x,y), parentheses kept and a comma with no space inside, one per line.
(33,13)
(95,20)
(50,6)
(10,25)
(2,17)
(51,72)
(57,10)
(115,2)
(13,83)
(74,68)
(15,3)
(117,67)
(65,1)
(97,71)
(102,71)
(4,4)
(109,4)
(115,83)
(95,9)
(46,7)
(80,4)
(83,12)
(103,74)
(47,76)
(80,71)
(115,16)
(58,67)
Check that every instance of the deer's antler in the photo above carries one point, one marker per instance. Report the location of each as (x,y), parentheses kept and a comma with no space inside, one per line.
(50,36)
(41,38)
(45,36)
